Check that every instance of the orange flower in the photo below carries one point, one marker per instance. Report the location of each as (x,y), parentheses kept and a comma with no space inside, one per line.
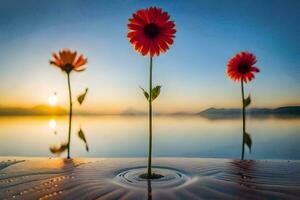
(151,31)
(240,67)
(66,60)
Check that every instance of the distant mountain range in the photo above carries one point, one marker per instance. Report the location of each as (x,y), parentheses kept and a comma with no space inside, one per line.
(36,110)
(234,112)
(132,111)
(229,112)
(208,113)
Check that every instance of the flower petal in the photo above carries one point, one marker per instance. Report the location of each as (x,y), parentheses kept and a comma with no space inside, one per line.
(149,44)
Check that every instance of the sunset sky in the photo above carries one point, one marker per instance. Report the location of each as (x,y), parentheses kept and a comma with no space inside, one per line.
(192,73)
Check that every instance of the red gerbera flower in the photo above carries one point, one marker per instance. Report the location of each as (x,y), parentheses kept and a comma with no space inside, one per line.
(240,67)
(151,31)
(66,60)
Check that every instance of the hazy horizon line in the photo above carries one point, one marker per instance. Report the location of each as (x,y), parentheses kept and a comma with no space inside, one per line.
(47,110)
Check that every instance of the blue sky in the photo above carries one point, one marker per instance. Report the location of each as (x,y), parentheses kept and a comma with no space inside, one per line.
(192,73)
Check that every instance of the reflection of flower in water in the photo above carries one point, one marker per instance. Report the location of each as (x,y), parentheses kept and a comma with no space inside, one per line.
(243,171)
(149,189)
(52,123)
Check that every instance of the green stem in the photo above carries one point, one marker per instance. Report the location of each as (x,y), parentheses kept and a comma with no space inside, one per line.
(244,121)
(70,115)
(150,121)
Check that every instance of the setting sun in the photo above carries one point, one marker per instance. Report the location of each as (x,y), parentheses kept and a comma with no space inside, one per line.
(52,100)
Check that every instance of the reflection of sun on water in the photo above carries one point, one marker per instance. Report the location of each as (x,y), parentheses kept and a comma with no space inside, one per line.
(52,100)
(52,123)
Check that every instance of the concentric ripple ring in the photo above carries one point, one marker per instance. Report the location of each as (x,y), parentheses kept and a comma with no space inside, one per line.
(132,178)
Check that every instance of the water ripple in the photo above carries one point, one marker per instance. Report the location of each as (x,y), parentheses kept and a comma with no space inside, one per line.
(170,178)
(183,178)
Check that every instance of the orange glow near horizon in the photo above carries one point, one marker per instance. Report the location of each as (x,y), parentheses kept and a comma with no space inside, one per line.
(115,106)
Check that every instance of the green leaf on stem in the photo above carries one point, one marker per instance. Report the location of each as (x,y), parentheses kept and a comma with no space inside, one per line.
(155,92)
(59,149)
(145,93)
(248,141)
(81,97)
(247,101)
(82,137)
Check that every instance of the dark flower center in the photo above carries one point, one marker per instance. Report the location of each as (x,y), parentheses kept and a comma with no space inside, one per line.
(243,68)
(151,30)
(67,67)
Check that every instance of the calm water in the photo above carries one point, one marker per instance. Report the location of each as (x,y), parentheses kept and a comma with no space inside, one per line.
(126,136)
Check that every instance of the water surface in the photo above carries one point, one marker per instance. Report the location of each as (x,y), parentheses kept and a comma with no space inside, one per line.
(126,136)
(205,178)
